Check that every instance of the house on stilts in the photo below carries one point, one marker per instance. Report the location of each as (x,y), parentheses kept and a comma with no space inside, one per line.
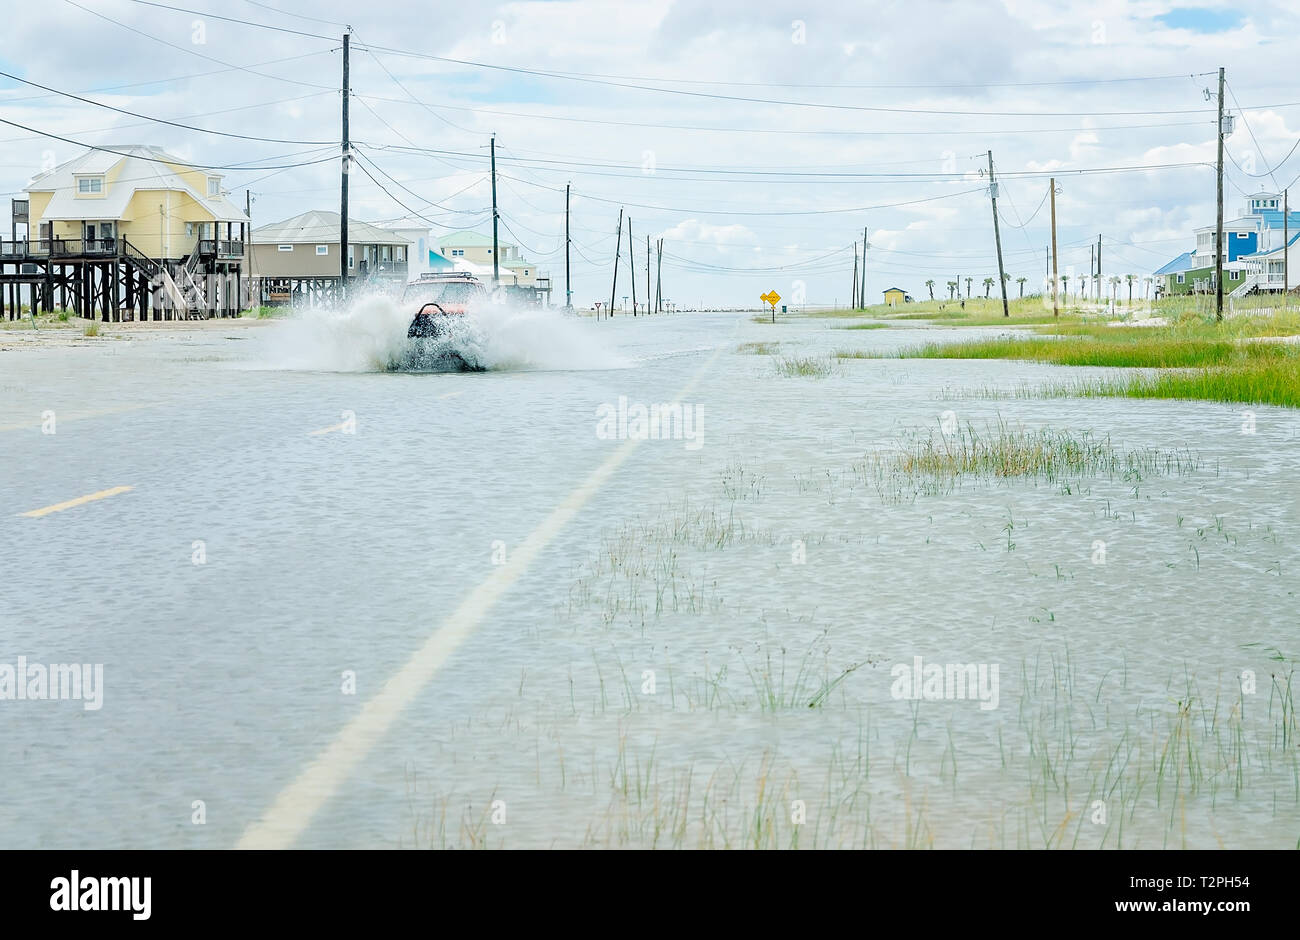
(125,233)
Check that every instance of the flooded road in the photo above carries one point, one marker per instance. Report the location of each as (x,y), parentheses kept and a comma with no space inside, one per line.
(346,607)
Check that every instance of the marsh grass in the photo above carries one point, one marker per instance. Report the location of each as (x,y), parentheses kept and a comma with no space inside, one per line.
(1075,759)
(758,349)
(1238,360)
(1273,323)
(1131,348)
(1266,381)
(937,463)
(817,367)
(92,329)
(644,570)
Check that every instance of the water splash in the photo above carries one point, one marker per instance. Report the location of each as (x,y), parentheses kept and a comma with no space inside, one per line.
(369,335)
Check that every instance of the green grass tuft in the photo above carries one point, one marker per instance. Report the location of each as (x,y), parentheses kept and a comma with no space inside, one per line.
(808,366)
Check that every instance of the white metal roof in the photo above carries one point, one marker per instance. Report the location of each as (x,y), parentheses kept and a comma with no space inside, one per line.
(137,167)
(318,225)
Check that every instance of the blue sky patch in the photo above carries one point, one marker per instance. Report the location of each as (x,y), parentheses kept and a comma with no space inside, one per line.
(1200,20)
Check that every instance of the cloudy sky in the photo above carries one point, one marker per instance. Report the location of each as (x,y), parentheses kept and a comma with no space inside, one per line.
(757,138)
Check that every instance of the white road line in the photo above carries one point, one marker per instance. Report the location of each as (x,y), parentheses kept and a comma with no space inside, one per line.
(288,817)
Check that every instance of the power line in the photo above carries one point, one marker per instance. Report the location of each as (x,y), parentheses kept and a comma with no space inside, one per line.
(301,16)
(158,120)
(594,78)
(1251,131)
(582,163)
(773,101)
(782,131)
(231,19)
(117,127)
(699,211)
(427,201)
(177,162)
(407,92)
(172,45)
(182,78)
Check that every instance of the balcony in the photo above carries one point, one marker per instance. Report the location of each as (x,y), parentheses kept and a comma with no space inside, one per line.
(63,248)
(226,249)
(386,269)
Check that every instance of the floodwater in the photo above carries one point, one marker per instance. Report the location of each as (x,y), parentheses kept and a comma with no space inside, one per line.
(341,606)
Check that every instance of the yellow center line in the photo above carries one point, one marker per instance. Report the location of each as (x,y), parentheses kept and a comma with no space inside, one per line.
(333,427)
(79,501)
(451,394)
(288,817)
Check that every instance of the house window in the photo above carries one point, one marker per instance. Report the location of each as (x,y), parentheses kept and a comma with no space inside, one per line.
(284,248)
(457,252)
(1234,275)
(189,229)
(1243,234)
(384,254)
(322,249)
(214,186)
(352,261)
(1182,278)
(525,272)
(399,253)
(90,185)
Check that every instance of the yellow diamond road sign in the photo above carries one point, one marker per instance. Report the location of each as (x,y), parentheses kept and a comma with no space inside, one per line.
(771,297)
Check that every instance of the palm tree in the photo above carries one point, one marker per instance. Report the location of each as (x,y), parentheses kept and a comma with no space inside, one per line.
(1130,278)
(1065,286)
(988,286)
(1021,282)
(930,284)
(968,280)
(1114,287)
(952,289)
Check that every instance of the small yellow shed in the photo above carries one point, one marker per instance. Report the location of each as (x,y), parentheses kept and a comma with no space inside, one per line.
(895,296)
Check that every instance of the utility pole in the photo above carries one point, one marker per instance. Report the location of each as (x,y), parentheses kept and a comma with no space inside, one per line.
(496,253)
(1098,267)
(1055,268)
(997,236)
(568,292)
(647,274)
(853,297)
(631,262)
(343,197)
(659,275)
(617,246)
(1286,251)
(863,281)
(1092,268)
(1218,228)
